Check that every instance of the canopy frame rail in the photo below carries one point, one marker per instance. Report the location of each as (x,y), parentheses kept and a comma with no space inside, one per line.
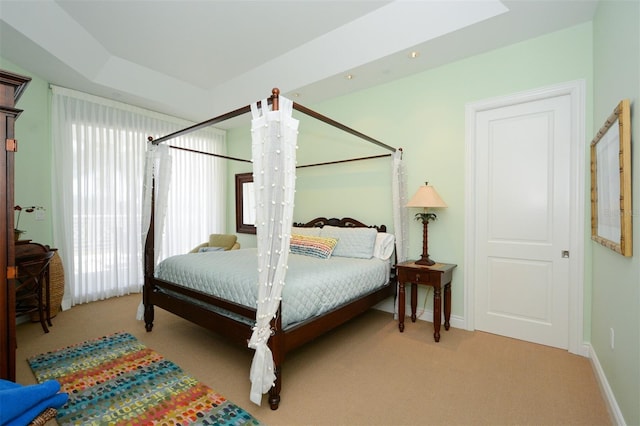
(371,157)
(226,157)
(275,93)
(340,126)
(326,163)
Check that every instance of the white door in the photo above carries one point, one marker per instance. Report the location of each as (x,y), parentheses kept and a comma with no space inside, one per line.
(522,220)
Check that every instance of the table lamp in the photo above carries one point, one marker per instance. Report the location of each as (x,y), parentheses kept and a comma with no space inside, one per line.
(426,197)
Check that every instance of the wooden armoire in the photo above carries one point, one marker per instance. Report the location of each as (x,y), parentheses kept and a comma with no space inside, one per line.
(11,87)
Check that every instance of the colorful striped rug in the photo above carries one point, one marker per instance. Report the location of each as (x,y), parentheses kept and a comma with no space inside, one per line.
(117,380)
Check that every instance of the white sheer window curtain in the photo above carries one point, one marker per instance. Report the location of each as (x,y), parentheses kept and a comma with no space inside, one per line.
(98,167)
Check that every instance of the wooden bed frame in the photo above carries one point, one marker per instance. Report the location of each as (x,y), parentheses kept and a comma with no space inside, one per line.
(282,340)
(238,330)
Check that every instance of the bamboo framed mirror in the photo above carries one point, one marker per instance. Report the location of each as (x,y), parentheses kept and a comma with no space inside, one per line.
(245,204)
(611,212)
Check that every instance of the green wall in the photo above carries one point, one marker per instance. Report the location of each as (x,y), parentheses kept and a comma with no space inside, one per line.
(328,189)
(33,158)
(616,279)
(238,146)
(425,115)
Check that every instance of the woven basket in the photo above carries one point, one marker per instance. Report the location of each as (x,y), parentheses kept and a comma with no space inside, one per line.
(46,416)
(56,286)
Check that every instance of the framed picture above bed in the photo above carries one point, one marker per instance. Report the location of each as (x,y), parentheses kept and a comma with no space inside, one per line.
(245,204)
(611,210)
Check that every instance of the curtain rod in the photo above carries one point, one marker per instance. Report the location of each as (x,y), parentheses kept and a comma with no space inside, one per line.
(273,99)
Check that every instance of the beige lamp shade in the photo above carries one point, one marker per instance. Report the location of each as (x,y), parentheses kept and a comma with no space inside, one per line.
(426,196)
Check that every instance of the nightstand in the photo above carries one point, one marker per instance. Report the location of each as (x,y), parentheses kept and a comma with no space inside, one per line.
(437,276)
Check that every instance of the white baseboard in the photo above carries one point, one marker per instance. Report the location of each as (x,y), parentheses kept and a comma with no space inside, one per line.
(607,392)
(584,350)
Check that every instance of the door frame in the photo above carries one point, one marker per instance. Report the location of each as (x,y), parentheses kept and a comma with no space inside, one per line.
(576,91)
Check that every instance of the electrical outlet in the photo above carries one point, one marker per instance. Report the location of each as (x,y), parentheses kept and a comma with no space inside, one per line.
(39,214)
(612,338)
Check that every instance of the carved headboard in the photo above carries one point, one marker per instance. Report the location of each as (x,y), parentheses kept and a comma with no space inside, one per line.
(345,222)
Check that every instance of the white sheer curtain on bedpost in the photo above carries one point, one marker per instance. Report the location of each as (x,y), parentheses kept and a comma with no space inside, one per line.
(274,137)
(157,178)
(399,194)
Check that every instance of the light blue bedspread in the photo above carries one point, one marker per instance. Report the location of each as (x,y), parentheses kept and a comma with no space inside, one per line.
(312,286)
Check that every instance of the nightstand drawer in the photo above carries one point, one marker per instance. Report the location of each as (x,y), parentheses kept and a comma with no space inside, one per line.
(414,276)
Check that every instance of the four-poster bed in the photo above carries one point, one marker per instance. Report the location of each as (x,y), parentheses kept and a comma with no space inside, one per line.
(237,321)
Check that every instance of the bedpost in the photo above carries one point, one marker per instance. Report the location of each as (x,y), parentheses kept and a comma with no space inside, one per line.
(149,249)
(276,344)
(275,100)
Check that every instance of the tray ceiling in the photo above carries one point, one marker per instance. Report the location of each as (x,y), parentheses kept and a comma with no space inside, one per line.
(198,59)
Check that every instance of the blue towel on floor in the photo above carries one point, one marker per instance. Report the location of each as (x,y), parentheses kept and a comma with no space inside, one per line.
(19,405)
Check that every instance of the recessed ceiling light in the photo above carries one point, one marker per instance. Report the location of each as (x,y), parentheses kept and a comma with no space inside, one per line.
(414,54)
(350,77)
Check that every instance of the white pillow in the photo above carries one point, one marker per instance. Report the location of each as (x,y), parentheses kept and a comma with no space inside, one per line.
(308,232)
(352,242)
(385,244)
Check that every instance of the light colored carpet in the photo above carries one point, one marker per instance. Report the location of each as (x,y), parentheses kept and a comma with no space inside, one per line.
(364,373)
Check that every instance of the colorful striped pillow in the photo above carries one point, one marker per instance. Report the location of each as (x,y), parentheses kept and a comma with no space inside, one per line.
(312,246)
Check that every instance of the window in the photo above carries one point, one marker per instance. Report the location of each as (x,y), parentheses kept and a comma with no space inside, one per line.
(98,165)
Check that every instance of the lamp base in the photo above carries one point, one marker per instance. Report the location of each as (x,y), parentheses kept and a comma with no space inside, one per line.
(424,260)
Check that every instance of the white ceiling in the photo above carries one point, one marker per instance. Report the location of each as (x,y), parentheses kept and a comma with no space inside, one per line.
(198,59)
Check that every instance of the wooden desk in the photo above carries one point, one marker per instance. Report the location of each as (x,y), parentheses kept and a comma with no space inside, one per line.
(436,276)
(32,285)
